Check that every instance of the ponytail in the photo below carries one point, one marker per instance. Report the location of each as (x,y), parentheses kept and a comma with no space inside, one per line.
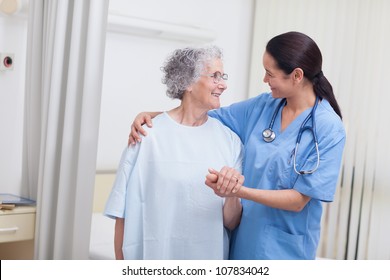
(324,90)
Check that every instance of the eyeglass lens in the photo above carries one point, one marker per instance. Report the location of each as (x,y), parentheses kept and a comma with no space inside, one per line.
(218,76)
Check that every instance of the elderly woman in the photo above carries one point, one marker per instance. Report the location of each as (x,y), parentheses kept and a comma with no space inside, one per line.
(163,209)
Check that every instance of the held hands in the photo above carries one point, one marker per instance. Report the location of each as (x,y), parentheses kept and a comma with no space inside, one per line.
(225,183)
(136,127)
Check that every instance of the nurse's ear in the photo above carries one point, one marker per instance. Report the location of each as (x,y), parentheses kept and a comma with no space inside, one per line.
(297,74)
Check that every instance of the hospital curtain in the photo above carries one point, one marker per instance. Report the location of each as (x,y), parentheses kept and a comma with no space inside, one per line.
(353,36)
(65,54)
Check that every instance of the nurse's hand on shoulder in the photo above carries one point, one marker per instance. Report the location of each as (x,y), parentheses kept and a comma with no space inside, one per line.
(226,182)
(136,127)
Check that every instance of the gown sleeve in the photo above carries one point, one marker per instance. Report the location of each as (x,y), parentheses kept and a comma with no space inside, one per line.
(115,206)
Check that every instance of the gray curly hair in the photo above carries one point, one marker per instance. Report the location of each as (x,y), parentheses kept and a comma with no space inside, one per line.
(184,67)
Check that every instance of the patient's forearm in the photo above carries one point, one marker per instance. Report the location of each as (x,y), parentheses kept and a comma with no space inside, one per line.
(232,212)
(118,238)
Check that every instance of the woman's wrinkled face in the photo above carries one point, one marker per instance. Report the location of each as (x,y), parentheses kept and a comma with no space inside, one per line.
(207,90)
(279,83)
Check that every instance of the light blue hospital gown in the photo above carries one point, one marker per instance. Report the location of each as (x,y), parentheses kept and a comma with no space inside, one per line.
(159,189)
(270,233)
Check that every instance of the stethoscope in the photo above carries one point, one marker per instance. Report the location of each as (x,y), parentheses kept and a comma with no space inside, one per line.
(269,135)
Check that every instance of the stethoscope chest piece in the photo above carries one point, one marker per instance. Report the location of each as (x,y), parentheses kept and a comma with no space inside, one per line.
(268,135)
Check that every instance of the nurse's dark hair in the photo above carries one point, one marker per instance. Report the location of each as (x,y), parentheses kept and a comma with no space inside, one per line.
(296,50)
(183,67)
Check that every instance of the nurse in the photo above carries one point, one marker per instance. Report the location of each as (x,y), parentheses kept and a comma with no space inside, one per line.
(285,183)
(163,209)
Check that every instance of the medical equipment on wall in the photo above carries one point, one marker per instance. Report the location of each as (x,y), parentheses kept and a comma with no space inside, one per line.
(6,61)
(269,135)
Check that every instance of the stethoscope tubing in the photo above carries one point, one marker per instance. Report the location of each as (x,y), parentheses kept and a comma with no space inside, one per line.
(269,135)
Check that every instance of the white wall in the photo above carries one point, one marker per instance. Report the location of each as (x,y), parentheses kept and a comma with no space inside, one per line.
(13,38)
(132,76)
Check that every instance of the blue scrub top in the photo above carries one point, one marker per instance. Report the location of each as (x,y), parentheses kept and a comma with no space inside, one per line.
(270,233)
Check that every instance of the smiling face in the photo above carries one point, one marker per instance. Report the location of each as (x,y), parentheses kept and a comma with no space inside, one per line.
(281,84)
(205,93)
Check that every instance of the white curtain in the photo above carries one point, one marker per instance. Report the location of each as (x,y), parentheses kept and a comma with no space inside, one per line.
(353,36)
(65,54)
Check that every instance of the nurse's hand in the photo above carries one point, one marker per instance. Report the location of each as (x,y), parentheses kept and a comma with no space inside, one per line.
(136,126)
(225,183)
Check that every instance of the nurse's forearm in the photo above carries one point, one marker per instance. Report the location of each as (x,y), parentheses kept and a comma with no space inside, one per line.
(290,200)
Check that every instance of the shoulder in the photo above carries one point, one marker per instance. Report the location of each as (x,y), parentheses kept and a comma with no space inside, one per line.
(220,128)
(160,118)
(328,116)
(158,123)
(245,109)
(228,140)
(255,101)
(328,122)
(258,104)
(264,98)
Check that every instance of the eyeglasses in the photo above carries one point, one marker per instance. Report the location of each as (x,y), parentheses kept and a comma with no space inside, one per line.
(218,76)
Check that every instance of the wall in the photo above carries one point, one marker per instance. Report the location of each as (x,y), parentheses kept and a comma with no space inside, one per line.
(13,38)
(132,76)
